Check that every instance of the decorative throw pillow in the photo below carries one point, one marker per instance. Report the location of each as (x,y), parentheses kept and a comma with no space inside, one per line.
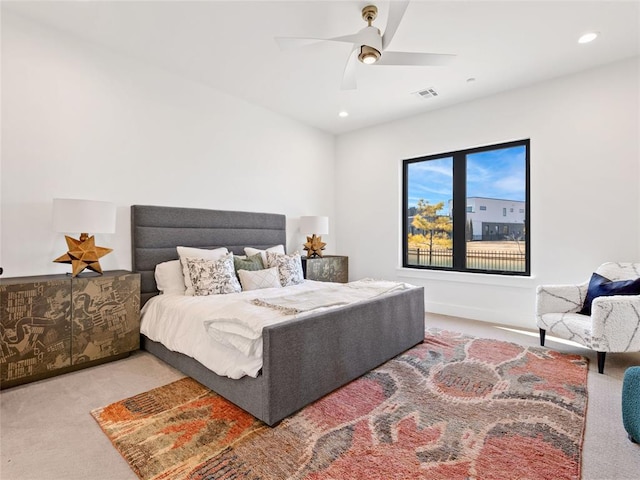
(257,279)
(189,252)
(252,251)
(600,286)
(213,277)
(169,278)
(252,263)
(289,267)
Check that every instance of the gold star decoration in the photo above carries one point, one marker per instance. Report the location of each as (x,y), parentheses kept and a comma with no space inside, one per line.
(83,254)
(314,246)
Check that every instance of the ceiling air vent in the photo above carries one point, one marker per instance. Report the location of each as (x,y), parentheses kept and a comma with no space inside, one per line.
(427,93)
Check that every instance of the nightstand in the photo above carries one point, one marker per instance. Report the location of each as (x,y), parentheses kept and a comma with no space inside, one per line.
(54,324)
(329,268)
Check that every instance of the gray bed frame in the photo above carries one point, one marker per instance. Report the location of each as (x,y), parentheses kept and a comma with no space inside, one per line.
(303,359)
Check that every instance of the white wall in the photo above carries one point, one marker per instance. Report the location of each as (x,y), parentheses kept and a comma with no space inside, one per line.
(585,199)
(79,121)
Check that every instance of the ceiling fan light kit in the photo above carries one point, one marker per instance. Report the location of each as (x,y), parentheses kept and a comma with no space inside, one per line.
(368,55)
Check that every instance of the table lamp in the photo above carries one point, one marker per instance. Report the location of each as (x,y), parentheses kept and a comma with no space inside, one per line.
(315,226)
(72,216)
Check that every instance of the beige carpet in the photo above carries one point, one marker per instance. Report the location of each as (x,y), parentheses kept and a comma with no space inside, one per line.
(47,433)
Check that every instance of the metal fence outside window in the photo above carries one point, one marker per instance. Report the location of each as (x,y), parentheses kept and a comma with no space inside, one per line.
(478,259)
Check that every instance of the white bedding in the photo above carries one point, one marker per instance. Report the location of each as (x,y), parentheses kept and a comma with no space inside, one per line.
(224,332)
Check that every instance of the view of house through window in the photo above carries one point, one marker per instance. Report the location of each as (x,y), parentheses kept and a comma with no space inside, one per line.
(467,210)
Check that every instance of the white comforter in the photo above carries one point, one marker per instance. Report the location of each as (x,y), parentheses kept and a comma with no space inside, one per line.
(224,332)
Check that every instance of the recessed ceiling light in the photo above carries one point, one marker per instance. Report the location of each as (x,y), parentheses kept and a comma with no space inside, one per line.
(588,37)
(471,79)
(343,114)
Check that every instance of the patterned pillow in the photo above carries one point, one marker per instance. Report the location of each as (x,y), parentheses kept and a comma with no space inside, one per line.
(289,267)
(191,252)
(257,279)
(213,277)
(252,263)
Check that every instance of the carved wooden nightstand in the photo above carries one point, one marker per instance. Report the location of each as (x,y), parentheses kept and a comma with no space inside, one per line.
(329,268)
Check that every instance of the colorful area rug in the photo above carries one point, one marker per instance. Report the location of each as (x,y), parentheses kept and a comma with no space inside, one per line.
(454,407)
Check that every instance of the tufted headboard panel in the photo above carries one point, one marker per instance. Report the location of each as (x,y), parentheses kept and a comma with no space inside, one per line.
(157,231)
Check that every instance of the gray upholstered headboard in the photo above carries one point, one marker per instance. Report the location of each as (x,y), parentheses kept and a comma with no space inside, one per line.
(157,231)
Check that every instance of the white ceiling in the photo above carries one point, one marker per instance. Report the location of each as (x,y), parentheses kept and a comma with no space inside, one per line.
(230,46)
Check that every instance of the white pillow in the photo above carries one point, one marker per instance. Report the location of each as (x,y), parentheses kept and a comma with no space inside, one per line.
(252,251)
(257,279)
(203,253)
(213,277)
(289,267)
(169,278)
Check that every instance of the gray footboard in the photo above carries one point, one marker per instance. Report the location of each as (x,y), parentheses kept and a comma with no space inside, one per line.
(306,358)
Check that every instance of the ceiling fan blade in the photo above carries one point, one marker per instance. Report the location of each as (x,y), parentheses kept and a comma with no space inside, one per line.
(287,43)
(417,59)
(355,38)
(349,75)
(396,12)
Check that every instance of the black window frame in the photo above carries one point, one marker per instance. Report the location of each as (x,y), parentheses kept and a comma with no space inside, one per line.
(459,209)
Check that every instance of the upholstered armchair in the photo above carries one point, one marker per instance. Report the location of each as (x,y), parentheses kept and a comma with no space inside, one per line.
(613,323)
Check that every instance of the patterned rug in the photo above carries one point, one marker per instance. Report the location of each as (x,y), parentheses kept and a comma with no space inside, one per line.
(454,407)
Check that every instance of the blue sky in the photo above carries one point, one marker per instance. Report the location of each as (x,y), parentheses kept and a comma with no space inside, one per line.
(491,174)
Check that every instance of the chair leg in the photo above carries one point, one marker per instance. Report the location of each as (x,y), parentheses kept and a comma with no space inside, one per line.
(601,357)
(542,333)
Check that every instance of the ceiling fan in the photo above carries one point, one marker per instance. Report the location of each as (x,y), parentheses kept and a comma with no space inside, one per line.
(369,45)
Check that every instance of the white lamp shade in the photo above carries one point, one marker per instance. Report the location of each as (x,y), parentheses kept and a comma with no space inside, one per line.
(83,216)
(313,224)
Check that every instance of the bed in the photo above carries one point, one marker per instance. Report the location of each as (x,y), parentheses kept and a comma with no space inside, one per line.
(303,358)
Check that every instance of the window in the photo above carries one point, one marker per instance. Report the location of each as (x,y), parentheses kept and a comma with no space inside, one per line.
(442,232)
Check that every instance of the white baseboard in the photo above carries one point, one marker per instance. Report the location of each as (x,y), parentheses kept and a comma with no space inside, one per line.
(513,319)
